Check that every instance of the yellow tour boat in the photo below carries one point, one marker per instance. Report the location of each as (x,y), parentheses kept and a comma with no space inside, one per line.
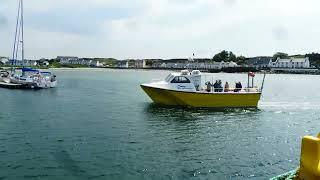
(184,89)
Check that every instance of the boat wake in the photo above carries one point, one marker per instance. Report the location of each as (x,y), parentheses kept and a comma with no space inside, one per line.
(290,105)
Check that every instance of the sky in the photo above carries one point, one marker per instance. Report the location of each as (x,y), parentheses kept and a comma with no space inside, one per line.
(162,28)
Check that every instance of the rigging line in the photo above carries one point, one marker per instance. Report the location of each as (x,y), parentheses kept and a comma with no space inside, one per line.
(15,36)
(18,40)
(22,32)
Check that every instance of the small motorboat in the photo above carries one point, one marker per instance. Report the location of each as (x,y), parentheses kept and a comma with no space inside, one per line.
(184,89)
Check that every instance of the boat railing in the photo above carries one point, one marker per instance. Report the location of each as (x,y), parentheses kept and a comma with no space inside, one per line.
(247,89)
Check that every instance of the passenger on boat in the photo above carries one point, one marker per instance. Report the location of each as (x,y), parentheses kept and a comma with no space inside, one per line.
(208,84)
(215,86)
(220,88)
(238,87)
(226,87)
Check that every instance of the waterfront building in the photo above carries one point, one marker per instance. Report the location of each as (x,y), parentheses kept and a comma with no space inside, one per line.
(29,63)
(291,63)
(193,65)
(130,63)
(140,63)
(43,62)
(259,62)
(123,64)
(79,61)
(159,65)
(22,63)
(67,59)
(88,62)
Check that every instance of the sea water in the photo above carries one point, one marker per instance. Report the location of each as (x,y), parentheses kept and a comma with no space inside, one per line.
(99,124)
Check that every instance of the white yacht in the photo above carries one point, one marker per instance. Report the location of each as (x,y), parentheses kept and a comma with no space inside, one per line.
(35,79)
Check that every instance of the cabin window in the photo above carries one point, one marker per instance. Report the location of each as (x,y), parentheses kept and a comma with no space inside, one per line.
(180,79)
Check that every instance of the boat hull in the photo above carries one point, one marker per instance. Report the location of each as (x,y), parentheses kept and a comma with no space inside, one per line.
(202,99)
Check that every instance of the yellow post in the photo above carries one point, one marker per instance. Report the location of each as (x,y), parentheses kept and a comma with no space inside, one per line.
(310,158)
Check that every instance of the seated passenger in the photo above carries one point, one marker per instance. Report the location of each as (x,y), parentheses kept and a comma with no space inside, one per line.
(215,86)
(220,88)
(238,87)
(208,84)
(226,87)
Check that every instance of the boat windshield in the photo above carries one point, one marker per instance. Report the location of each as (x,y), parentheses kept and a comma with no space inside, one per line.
(46,73)
(170,76)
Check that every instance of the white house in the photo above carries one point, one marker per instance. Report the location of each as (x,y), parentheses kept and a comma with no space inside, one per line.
(30,62)
(140,63)
(4,60)
(291,63)
(123,64)
(260,62)
(46,63)
(67,59)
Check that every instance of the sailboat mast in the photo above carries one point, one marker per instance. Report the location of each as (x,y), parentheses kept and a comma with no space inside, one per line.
(22,33)
(15,44)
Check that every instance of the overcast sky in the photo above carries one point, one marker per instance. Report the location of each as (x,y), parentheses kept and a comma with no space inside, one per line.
(162,28)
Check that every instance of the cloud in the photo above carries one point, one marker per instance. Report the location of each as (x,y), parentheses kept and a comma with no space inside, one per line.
(79,17)
(165,28)
(3,21)
(280,33)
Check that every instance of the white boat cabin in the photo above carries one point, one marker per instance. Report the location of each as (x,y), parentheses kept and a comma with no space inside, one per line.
(184,81)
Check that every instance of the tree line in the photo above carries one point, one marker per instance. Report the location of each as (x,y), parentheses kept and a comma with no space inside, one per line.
(228,56)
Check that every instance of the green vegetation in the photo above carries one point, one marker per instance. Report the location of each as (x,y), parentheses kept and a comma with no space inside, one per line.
(314,59)
(280,55)
(55,64)
(228,56)
(241,60)
(225,56)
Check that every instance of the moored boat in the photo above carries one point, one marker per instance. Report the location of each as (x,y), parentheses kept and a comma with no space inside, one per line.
(29,77)
(34,78)
(4,76)
(184,89)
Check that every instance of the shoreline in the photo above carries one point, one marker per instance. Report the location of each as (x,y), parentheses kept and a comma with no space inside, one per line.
(173,69)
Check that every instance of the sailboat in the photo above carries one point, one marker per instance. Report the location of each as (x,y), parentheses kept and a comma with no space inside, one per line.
(29,78)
